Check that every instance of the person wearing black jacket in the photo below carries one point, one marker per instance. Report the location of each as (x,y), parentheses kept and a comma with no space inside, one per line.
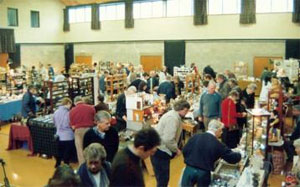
(167,88)
(248,96)
(288,145)
(152,82)
(96,170)
(200,154)
(127,167)
(104,134)
(29,102)
(209,70)
(121,111)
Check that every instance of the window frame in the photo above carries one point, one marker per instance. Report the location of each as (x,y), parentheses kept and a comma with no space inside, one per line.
(16,15)
(32,12)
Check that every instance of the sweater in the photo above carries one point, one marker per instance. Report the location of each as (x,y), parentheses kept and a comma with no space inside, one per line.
(28,105)
(168,89)
(110,141)
(61,121)
(248,98)
(229,114)
(121,106)
(203,150)
(127,170)
(210,105)
(169,129)
(82,116)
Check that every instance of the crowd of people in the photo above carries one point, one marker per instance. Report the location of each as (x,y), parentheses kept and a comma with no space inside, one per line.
(88,128)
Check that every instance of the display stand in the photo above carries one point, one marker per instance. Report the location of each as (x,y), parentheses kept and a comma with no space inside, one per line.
(182,72)
(53,92)
(116,84)
(240,69)
(277,96)
(15,83)
(82,87)
(262,137)
(192,83)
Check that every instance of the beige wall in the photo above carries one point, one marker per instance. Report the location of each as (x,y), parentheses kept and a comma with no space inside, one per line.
(222,54)
(32,54)
(51,20)
(120,52)
(268,26)
(213,42)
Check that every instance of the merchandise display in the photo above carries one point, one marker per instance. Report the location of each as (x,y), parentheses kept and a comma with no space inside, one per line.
(115,85)
(42,131)
(53,92)
(257,137)
(83,86)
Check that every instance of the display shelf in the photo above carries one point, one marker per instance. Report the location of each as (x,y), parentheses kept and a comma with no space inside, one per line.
(240,69)
(15,83)
(192,83)
(115,84)
(257,135)
(53,92)
(182,72)
(275,102)
(82,87)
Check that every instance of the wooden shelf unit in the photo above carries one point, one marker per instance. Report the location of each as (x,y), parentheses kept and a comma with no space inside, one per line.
(116,84)
(82,87)
(53,92)
(278,97)
(192,83)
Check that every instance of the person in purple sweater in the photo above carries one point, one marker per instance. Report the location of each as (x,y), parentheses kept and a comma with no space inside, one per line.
(64,132)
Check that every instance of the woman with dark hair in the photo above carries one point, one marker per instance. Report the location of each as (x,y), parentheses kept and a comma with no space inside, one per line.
(178,85)
(64,176)
(142,86)
(101,105)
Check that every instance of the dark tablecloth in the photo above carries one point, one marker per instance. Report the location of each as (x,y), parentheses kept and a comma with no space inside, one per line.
(43,137)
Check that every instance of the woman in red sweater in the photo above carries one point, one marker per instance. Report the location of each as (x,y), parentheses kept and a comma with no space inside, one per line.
(230,134)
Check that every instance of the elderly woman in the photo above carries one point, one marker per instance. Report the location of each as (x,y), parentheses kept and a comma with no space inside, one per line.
(95,171)
(230,134)
(64,133)
(248,96)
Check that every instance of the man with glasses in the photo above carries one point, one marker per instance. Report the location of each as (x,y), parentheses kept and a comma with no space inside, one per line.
(104,134)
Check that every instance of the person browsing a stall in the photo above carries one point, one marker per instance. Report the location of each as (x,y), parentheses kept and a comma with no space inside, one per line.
(81,119)
(201,152)
(104,134)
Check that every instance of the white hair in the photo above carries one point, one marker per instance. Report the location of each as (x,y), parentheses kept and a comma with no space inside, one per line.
(214,125)
(211,83)
(131,90)
(297,143)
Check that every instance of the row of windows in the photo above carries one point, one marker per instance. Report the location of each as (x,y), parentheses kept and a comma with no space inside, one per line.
(173,8)
(13,20)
